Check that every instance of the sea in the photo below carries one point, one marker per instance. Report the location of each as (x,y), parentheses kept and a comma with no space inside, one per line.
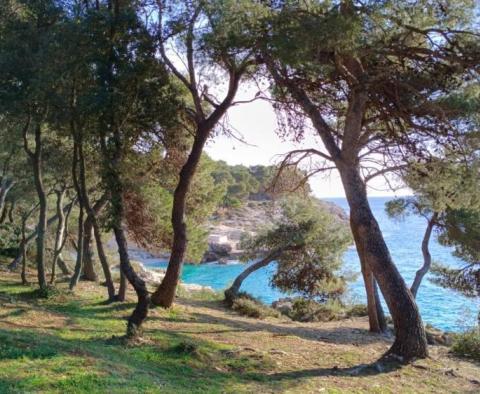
(442,308)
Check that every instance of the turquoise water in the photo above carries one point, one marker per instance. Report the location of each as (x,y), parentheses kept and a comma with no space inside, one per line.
(442,308)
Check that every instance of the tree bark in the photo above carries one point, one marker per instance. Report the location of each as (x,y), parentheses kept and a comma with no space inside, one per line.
(10,212)
(374,320)
(89,272)
(4,214)
(165,293)
(79,261)
(37,163)
(59,233)
(24,253)
(232,292)
(104,262)
(60,236)
(5,185)
(122,291)
(81,220)
(135,321)
(380,314)
(410,339)
(88,261)
(63,266)
(427,257)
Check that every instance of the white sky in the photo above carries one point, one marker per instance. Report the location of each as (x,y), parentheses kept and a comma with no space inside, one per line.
(256,123)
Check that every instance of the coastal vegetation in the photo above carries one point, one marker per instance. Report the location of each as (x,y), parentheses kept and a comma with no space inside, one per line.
(106,108)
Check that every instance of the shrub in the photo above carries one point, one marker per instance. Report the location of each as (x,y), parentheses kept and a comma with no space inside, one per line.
(247,305)
(467,344)
(356,310)
(305,310)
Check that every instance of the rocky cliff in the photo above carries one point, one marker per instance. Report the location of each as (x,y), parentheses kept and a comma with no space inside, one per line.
(228,226)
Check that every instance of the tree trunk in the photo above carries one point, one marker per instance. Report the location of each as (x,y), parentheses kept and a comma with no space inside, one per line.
(78,263)
(427,257)
(375,320)
(59,235)
(112,179)
(380,314)
(232,292)
(42,198)
(122,291)
(63,266)
(4,214)
(135,321)
(81,220)
(10,212)
(88,261)
(90,223)
(104,262)
(5,186)
(24,253)
(410,341)
(165,293)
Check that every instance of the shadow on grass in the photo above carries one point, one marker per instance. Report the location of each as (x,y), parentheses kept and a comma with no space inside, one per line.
(173,359)
(337,335)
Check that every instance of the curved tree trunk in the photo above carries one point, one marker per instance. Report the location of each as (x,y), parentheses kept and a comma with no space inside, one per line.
(232,292)
(376,321)
(89,272)
(380,314)
(36,158)
(4,214)
(135,321)
(63,266)
(104,262)
(5,185)
(410,339)
(78,263)
(77,143)
(165,293)
(427,257)
(59,236)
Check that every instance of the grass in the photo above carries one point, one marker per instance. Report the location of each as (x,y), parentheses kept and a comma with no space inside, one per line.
(70,343)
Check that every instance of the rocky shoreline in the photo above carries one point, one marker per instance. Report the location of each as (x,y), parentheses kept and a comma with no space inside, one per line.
(228,226)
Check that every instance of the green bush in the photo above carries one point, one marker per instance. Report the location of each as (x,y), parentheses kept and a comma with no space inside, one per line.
(305,310)
(467,344)
(247,305)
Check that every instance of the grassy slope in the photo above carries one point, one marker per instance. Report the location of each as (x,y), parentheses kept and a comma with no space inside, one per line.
(69,344)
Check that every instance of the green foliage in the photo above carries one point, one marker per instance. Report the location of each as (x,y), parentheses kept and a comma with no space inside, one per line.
(467,344)
(305,310)
(257,182)
(310,242)
(444,183)
(10,235)
(460,229)
(247,305)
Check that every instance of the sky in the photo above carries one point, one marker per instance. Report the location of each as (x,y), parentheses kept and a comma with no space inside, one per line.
(256,123)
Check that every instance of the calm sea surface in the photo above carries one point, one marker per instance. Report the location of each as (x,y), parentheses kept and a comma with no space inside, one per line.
(442,308)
